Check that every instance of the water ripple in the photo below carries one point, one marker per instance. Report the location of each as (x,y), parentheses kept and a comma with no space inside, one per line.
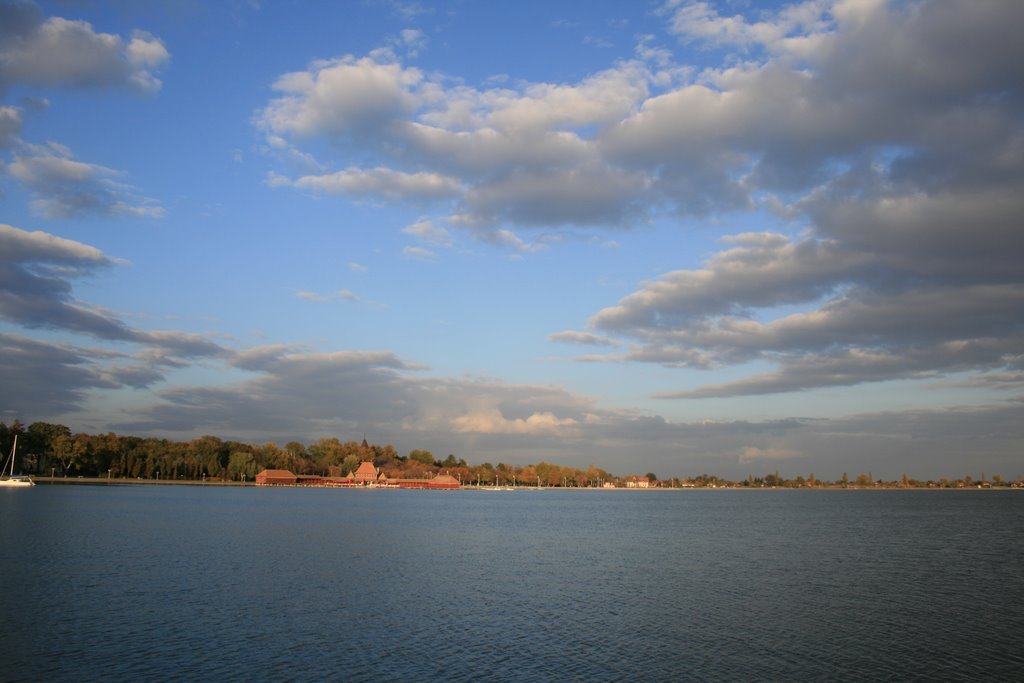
(293,585)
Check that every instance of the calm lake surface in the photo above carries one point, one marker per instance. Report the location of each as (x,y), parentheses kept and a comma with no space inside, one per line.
(192,583)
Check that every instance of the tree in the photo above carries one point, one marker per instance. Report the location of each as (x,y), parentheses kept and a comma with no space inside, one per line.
(421,456)
(294,452)
(241,463)
(652,477)
(68,450)
(209,456)
(326,452)
(349,464)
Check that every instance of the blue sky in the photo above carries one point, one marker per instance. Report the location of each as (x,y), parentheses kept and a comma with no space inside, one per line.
(679,237)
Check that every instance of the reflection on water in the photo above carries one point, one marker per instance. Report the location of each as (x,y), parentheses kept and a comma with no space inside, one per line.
(181,583)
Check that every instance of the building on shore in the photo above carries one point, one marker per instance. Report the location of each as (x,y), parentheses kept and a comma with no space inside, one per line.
(276,478)
(365,476)
(366,473)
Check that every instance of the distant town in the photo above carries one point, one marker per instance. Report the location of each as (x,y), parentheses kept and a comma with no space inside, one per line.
(52,451)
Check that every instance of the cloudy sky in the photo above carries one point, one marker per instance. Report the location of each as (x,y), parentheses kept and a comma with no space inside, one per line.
(729,237)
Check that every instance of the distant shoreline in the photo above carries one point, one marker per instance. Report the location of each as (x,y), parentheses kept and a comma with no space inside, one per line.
(104,481)
(113,481)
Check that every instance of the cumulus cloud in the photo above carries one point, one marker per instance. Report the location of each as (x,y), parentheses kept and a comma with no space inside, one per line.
(296,390)
(342,97)
(56,52)
(493,422)
(825,108)
(501,156)
(905,175)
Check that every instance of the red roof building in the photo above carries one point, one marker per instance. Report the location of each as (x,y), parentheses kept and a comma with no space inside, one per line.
(366,473)
(276,478)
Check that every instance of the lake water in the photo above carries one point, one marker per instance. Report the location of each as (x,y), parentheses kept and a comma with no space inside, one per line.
(208,583)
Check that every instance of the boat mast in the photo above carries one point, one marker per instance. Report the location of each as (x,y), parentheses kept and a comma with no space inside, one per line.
(10,460)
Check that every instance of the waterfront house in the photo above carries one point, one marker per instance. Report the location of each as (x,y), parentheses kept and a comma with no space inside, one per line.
(276,478)
(366,473)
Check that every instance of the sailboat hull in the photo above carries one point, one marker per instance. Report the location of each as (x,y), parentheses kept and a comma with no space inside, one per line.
(7,477)
(15,483)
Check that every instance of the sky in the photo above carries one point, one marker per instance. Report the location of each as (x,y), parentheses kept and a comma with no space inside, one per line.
(677,237)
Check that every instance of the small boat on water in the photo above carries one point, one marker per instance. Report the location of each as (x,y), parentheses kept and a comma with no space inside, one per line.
(7,477)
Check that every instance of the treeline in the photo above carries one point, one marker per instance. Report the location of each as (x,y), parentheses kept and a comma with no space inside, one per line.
(52,450)
(864,480)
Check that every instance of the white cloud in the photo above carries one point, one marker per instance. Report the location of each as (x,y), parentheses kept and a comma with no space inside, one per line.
(412,40)
(341,97)
(632,141)
(418,253)
(898,158)
(584,338)
(382,183)
(65,188)
(429,234)
(37,271)
(493,422)
(58,52)
(753,454)
(340,295)
(10,126)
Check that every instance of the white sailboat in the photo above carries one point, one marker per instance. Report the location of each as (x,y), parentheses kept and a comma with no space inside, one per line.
(7,478)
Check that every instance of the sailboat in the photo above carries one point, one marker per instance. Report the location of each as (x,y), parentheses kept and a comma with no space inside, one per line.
(7,478)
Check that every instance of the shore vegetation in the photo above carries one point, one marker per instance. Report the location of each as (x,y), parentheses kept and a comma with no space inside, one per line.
(52,450)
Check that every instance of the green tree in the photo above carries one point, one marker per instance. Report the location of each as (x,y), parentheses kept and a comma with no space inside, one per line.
(421,456)
(241,463)
(209,457)
(349,464)
(68,450)
(325,453)
(294,452)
